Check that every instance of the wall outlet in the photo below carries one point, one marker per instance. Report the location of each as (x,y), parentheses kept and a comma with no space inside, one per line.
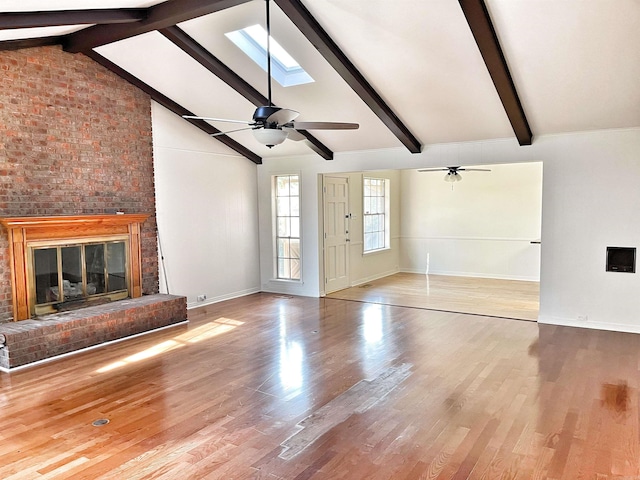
(201,298)
(583,318)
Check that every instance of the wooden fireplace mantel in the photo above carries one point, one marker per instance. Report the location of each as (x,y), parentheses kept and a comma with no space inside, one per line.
(23,230)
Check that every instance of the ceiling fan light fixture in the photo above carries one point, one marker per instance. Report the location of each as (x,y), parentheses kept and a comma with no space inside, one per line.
(270,136)
(452,177)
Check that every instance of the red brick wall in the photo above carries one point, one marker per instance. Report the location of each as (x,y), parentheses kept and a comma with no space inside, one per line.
(74,139)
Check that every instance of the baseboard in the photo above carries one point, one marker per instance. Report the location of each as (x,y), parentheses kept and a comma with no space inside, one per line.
(371,278)
(570,322)
(222,298)
(473,275)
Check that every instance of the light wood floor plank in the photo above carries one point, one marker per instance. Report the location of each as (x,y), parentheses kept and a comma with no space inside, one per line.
(486,398)
(478,296)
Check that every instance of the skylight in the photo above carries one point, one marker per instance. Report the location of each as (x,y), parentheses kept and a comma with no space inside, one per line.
(284,69)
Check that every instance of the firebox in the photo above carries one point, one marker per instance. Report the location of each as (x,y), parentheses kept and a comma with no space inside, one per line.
(73,274)
(58,263)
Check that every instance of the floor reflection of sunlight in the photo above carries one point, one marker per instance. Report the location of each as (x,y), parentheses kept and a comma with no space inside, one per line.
(372,324)
(291,359)
(198,334)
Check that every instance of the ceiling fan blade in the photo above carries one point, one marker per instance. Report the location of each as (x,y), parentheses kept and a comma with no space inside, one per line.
(211,119)
(323,126)
(282,116)
(474,169)
(231,131)
(294,135)
(434,170)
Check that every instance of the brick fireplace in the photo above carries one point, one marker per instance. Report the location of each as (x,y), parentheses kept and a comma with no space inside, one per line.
(75,139)
(75,142)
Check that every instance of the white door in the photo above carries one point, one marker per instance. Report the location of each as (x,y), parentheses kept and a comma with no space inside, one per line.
(336,233)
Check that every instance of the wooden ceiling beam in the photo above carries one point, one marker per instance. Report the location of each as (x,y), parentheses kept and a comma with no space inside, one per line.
(212,63)
(174,107)
(481,26)
(159,16)
(30,43)
(320,39)
(12,20)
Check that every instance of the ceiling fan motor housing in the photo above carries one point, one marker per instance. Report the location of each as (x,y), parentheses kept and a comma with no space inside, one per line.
(262,113)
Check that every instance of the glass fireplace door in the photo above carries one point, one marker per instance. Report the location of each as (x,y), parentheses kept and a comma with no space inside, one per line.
(67,274)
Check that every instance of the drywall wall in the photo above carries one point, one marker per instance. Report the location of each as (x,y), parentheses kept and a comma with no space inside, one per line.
(590,199)
(481,226)
(207,214)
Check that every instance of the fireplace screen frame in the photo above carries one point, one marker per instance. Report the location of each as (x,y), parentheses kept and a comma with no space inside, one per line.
(24,231)
(57,304)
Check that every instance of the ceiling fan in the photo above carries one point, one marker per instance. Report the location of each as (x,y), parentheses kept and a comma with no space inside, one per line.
(272,125)
(452,172)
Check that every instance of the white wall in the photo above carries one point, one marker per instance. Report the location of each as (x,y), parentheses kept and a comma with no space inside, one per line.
(481,226)
(590,200)
(207,214)
(366,267)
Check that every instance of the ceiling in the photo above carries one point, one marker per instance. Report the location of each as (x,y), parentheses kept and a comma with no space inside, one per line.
(410,72)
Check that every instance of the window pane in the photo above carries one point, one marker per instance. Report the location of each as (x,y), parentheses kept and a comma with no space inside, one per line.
(294,188)
(295,269)
(282,186)
(283,247)
(368,241)
(284,226)
(283,207)
(285,269)
(295,248)
(295,207)
(295,227)
(281,270)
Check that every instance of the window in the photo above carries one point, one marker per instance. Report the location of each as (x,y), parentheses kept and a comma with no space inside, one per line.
(376,216)
(287,226)
(284,69)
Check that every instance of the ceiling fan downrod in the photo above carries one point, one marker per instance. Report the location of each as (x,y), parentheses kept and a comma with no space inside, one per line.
(268,53)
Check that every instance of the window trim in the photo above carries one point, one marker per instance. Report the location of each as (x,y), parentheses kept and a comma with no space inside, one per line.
(387,214)
(274,236)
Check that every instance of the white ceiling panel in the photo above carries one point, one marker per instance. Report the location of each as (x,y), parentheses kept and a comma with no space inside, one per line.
(576,63)
(162,65)
(422,59)
(328,98)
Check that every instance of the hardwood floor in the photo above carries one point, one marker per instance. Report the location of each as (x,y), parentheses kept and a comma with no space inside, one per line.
(478,296)
(352,390)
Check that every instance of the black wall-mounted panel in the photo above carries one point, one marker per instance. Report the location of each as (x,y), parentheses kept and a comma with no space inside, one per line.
(621,259)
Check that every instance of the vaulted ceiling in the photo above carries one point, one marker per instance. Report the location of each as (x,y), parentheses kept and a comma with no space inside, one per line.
(410,72)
